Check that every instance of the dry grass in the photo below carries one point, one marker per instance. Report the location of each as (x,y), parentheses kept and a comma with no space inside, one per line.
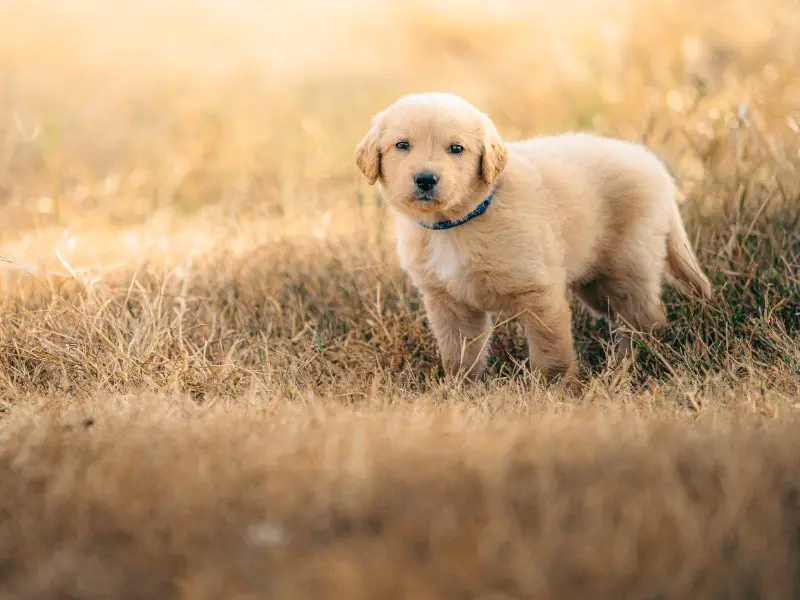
(194,264)
(321,502)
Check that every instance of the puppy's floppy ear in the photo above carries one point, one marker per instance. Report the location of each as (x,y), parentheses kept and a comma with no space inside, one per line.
(495,155)
(368,151)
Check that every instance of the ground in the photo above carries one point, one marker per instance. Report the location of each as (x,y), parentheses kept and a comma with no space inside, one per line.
(215,380)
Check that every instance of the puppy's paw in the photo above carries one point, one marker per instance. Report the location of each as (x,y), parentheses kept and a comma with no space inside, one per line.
(560,371)
(574,387)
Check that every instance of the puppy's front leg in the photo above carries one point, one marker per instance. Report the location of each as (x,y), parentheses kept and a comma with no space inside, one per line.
(546,318)
(462,333)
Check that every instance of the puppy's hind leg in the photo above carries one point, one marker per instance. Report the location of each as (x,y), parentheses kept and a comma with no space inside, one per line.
(594,297)
(462,334)
(637,303)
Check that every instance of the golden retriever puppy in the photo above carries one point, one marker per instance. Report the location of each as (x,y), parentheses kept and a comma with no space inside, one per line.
(486,226)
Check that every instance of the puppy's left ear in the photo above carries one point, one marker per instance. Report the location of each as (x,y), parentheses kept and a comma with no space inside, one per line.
(368,153)
(495,155)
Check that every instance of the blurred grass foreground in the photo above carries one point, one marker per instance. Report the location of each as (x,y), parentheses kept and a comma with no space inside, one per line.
(215,381)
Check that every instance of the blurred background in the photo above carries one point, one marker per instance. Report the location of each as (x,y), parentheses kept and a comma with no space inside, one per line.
(140,126)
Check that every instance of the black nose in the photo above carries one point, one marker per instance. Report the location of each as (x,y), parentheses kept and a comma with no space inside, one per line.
(426,181)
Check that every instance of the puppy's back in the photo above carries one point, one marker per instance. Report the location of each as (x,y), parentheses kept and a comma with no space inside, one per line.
(616,172)
(591,153)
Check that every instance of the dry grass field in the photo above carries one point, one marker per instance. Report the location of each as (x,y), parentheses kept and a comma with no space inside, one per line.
(215,381)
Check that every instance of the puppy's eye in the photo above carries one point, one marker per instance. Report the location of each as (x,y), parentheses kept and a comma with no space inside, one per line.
(455,149)
(403,145)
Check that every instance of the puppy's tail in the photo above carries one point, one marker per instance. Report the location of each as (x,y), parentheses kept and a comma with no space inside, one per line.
(682,263)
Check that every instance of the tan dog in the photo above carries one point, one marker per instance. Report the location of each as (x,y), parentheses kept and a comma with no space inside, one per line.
(538,219)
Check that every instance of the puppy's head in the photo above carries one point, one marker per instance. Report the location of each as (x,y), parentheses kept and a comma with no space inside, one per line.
(431,153)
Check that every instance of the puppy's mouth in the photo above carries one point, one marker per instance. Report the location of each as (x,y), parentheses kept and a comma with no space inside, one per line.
(425,198)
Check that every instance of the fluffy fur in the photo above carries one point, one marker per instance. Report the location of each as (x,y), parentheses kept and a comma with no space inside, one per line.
(574,213)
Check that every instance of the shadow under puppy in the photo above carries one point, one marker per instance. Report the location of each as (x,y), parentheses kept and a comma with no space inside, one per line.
(487,226)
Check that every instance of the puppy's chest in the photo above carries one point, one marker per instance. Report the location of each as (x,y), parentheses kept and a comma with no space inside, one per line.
(443,260)
(447,261)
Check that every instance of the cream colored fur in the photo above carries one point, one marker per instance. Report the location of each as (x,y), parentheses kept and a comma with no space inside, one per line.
(574,213)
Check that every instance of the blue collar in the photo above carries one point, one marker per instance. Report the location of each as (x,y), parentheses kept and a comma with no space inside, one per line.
(476,212)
